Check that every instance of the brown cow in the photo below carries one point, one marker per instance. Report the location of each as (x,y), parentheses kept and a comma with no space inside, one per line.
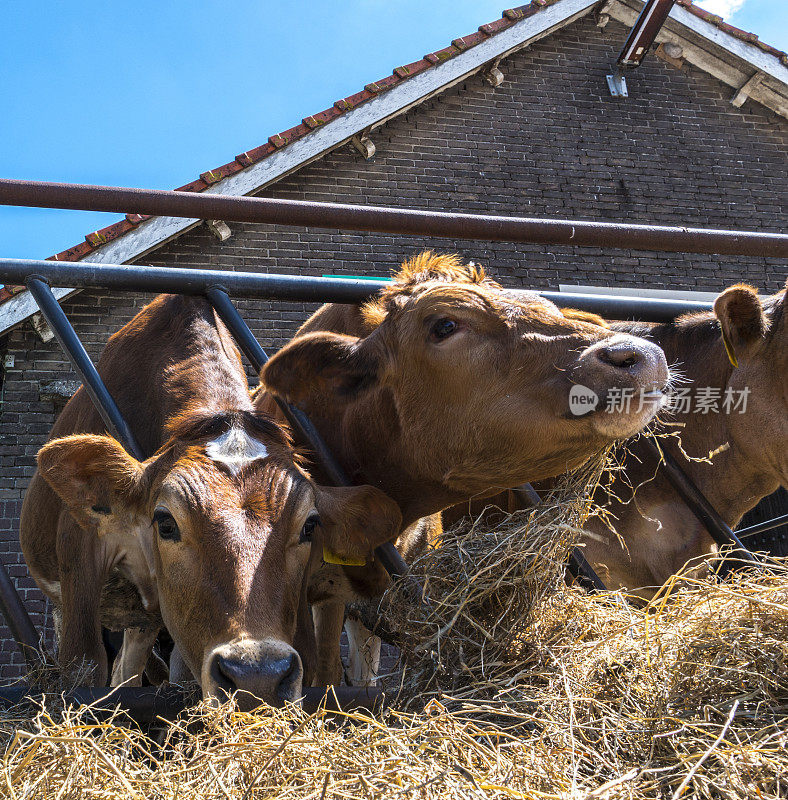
(658,533)
(213,531)
(737,359)
(446,386)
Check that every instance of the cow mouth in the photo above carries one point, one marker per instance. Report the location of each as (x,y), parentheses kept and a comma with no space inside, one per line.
(639,402)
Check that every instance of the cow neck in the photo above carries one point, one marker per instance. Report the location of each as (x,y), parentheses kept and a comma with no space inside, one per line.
(173,357)
(365,436)
(699,337)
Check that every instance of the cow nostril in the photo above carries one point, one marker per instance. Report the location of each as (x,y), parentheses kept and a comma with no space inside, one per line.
(620,357)
(289,674)
(222,675)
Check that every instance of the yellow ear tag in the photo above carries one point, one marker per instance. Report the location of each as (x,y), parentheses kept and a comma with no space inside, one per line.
(332,558)
(729,350)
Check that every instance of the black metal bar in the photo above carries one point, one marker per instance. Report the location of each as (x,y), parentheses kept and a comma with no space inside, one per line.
(18,621)
(387,553)
(80,360)
(145,704)
(526,494)
(577,233)
(139,278)
(762,527)
(583,572)
(718,529)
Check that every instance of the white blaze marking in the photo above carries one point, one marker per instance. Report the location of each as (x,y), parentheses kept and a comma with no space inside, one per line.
(235,449)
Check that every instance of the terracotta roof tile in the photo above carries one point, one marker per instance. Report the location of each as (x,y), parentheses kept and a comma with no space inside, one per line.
(509,17)
(195,186)
(409,70)
(220,173)
(256,154)
(74,253)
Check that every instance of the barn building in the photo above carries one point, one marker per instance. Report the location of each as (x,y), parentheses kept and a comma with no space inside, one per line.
(513,119)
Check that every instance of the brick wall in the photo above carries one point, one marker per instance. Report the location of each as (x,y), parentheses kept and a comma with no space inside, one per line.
(549,142)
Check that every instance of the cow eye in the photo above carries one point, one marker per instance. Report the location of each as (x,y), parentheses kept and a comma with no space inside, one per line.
(442,329)
(166,525)
(309,528)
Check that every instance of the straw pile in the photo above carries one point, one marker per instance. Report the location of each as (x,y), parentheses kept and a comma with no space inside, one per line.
(513,686)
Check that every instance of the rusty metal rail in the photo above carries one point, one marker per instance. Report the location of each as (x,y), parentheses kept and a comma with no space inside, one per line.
(382,219)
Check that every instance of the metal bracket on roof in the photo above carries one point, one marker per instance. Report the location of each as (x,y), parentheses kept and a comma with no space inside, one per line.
(617,84)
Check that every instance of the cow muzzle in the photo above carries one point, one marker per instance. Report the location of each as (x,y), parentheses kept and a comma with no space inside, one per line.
(622,381)
(253,670)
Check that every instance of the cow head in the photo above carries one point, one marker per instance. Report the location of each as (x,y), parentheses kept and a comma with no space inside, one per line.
(755,337)
(232,525)
(472,381)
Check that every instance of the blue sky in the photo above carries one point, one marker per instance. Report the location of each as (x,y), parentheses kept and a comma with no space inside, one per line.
(153,93)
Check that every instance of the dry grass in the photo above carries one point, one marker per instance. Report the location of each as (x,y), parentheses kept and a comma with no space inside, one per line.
(532,689)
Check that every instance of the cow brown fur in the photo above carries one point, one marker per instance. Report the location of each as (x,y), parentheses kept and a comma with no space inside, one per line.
(213,531)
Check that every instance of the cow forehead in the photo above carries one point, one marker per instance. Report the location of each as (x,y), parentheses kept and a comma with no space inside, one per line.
(498,304)
(236,448)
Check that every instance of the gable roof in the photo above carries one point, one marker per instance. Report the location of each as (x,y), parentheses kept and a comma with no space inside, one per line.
(735,56)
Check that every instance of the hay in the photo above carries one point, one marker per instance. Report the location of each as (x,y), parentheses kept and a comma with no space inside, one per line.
(532,690)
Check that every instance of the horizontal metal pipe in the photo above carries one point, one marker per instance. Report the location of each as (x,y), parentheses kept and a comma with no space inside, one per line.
(762,527)
(380,219)
(147,703)
(303,288)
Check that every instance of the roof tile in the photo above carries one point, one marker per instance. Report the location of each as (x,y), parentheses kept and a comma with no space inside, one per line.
(354,100)
(255,154)
(220,173)
(195,186)
(104,235)
(320,119)
(471,40)
(414,68)
(135,219)
(442,55)
(491,28)
(74,253)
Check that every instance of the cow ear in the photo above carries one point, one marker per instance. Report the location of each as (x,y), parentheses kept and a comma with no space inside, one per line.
(321,362)
(742,321)
(93,475)
(354,520)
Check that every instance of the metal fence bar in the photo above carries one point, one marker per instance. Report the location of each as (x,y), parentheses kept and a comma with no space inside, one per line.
(146,704)
(342,216)
(387,554)
(80,360)
(18,621)
(762,527)
(718,529)
(262,286)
